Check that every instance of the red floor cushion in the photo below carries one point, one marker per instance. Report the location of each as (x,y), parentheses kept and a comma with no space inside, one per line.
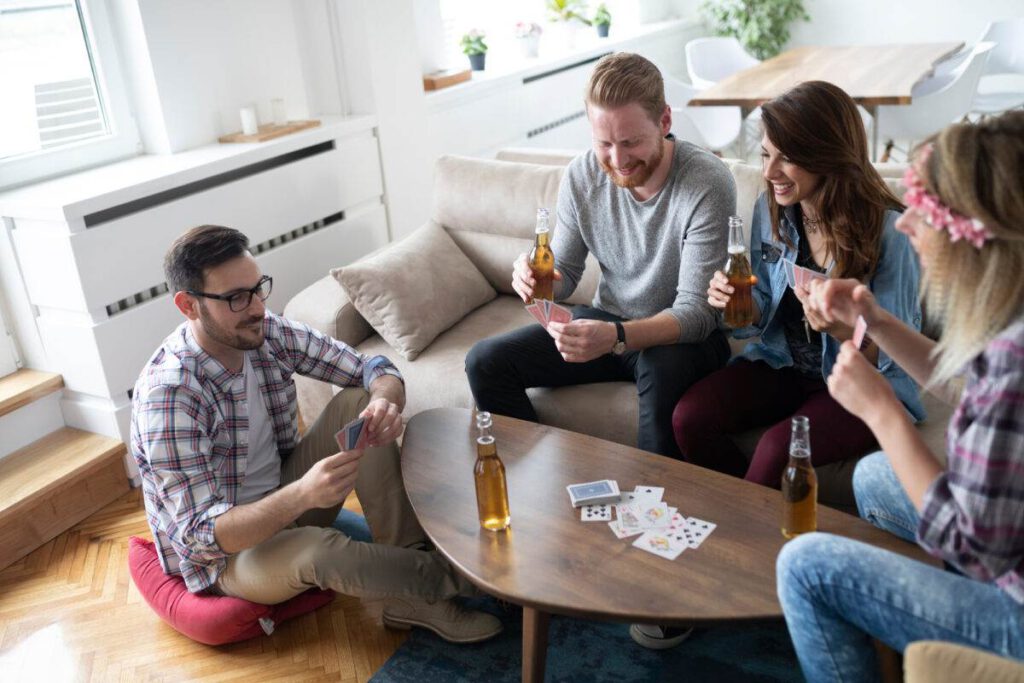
(210,619)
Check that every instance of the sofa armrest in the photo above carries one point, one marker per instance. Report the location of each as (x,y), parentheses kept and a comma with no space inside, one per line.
(325,307)
(938,662)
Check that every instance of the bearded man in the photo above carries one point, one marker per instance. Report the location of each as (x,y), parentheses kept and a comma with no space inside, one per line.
(654,212)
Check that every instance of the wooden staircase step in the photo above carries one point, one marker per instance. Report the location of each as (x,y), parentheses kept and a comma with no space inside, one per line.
(24,386)
(52,484)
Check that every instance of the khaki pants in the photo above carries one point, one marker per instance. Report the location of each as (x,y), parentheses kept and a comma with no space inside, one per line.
(314,555)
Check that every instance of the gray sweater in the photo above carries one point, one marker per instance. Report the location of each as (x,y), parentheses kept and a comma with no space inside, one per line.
(657,255)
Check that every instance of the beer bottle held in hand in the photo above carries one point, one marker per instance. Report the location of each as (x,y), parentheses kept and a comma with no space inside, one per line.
(489,474)
(799,483)
(542,259)
(739,311)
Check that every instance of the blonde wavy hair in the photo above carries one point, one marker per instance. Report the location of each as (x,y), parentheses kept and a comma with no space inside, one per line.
(974,294)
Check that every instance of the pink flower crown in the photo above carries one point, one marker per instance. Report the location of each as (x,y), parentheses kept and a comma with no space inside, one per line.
(937,214)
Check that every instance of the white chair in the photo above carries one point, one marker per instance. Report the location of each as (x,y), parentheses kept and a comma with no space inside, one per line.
(1002,84)
(714,128)
(709,60)
(937,101)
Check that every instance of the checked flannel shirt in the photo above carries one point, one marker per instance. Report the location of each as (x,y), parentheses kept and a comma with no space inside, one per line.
(190,430)
(973,513)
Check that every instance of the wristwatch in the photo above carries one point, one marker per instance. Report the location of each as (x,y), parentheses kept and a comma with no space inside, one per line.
(619,347)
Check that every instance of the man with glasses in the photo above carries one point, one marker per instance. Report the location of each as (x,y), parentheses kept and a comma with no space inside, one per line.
(237,502)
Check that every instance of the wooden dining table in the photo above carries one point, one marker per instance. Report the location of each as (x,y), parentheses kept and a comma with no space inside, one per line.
(873,75)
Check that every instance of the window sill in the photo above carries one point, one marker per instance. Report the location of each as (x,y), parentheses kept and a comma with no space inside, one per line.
(514,70)
(70,197)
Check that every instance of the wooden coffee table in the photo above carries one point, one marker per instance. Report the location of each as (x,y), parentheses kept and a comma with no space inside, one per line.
(552,563)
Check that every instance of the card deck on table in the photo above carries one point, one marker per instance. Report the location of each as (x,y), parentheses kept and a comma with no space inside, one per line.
(695,531)
(859,330)
(593,492)
(596,513)
(667,544)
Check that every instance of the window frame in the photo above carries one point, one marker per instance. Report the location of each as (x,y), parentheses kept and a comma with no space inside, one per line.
(122,141)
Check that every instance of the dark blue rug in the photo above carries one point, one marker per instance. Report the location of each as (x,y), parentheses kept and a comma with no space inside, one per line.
(591,651)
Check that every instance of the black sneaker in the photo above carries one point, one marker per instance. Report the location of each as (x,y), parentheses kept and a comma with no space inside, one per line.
(658,637)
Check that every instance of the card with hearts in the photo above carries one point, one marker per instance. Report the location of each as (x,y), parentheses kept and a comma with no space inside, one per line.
(661,543)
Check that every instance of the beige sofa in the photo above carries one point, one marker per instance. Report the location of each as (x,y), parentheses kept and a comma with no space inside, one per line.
(488,209)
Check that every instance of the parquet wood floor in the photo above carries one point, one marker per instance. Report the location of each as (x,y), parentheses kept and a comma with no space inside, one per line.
(69,611)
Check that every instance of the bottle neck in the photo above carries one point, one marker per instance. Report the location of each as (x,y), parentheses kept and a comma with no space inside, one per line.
(543,236)
(736,241)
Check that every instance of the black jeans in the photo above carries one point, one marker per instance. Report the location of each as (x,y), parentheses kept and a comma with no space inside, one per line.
(502,368)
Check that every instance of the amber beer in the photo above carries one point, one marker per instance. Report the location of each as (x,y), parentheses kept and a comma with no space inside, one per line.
(739,311)
(489,474)
(799,483)
(542,259)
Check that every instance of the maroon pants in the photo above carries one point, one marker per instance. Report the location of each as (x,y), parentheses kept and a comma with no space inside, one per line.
(749,394)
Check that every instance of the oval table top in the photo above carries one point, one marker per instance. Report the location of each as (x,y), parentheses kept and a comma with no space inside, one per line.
(551,561)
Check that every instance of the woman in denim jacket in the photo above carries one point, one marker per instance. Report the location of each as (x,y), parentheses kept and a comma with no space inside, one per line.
(826,209)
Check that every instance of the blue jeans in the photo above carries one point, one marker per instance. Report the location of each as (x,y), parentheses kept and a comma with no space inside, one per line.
(837,593)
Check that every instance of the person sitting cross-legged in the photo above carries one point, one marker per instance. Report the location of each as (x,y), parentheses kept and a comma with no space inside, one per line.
(238,503)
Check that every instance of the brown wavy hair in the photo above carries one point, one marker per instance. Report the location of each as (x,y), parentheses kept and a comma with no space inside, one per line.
(816,126)
(623,78)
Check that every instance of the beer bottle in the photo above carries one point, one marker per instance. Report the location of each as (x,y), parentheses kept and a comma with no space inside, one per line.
(799,483)
(542,259)
(739,311)
(489,474)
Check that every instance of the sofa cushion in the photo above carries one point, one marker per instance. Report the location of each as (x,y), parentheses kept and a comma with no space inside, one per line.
(416,289)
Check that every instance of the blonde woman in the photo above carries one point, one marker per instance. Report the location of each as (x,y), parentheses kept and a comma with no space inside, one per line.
(965,219)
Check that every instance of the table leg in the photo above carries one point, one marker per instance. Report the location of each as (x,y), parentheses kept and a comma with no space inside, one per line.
(535,644)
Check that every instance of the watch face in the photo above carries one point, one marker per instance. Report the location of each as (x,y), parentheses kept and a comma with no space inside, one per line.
(618,348)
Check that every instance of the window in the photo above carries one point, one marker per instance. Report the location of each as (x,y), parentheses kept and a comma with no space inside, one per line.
(64,104)
(495,18)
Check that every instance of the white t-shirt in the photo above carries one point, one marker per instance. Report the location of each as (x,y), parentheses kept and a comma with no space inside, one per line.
(263,465)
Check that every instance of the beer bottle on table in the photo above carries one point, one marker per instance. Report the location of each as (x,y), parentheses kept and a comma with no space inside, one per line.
(739,311)
(489,474)
(799,483)
(542,259)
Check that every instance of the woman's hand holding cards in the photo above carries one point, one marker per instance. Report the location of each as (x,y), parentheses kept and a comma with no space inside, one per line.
(858,386)
(844,301)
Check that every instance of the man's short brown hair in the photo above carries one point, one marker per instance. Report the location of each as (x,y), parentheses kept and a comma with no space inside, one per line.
(625,78)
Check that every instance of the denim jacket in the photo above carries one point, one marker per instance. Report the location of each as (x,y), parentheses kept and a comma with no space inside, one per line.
(894,285)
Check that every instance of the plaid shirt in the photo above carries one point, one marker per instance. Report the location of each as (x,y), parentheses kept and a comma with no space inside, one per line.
(190,430)
(973,514)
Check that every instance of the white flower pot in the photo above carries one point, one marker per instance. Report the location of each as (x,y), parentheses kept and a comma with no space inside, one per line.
(529,46)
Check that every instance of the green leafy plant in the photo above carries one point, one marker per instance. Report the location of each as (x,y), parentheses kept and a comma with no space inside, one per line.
(567,10)
(602,17)
(761,26)
(473,43)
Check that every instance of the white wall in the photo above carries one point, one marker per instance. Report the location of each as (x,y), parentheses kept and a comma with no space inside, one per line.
(840,22)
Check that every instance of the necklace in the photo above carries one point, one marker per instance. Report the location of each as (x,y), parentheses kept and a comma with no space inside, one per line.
(812,225)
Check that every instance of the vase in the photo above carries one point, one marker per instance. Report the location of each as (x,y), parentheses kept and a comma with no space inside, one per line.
(602,30)
(529,46)
(476,62)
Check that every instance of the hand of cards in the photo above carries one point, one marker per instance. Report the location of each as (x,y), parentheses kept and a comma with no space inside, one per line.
(352,436)
(663,530)
(798,276)
(545,311)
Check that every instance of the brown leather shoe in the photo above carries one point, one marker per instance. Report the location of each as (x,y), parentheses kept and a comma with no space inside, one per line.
(446,618)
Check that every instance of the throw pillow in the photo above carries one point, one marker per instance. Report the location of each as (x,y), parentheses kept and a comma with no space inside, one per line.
(415,289)
(210,619)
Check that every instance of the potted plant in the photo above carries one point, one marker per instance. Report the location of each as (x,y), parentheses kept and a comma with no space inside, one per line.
(565,16)
(602,20)
(761,26)
(528,35)
(474,47)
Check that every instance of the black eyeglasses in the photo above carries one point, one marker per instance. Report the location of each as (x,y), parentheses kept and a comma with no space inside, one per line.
(241,300)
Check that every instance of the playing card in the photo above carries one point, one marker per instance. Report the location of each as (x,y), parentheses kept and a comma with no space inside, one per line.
(859,329)
(787,266)
(620,532)
(596,513)
(354,434)
(559,314)
(695,531)
(661,543)
(547,309)
(651,515)
(653,493)
(536,310)
(804,276)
